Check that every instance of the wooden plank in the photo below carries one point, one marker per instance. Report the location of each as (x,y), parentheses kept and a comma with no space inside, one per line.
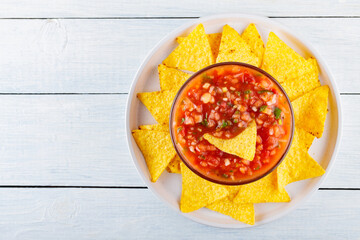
(102,56)
(185,8)
(137,214)
(80,140)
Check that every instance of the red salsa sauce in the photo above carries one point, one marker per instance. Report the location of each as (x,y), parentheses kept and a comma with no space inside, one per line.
(222,101)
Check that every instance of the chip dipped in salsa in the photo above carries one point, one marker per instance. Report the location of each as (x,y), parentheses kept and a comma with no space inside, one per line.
(222,100)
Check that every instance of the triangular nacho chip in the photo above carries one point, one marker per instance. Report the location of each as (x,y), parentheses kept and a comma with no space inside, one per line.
(243,145)
(310,110)
(214,40)
(263,190)
(233,48)
(281,62)
(155,127)
(253,39)
(298,164)
(241,212)
(193,54)
(157,149)
(174,165)
(197,192)
(297,87)
(159,104)
(171,77)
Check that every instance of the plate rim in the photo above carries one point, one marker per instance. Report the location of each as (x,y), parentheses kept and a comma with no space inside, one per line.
(315,53)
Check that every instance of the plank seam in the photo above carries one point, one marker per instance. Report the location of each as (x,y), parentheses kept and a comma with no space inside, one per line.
(144,17)
(133,187)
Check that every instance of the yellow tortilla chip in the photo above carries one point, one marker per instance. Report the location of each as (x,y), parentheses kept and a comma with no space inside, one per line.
(197,192)
(214,40)
(297,87)
(155,127)
(157,149)
(171,77)
(174,165)
(243,145)
(263,190)
(193,54)
(253,39)
(298,164)
(241,212)
(310,110)
(159,104)
(233,48)
(281,62)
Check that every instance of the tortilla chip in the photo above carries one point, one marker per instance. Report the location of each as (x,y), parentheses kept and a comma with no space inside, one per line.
(233,48)
(283,63)
(159,104)
(157,149)
(214,40)
(310,110)
(174,165)
(193,54)
(298,164)
(155,127)
(263,190)
(171,77)
(241,212)
(253,39)
(297,87)
(243,145)
(197,192)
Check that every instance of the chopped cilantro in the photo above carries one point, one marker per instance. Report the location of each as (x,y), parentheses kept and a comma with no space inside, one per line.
(205,76)
(258,167)
(204,122)
(247,91)
(238,93)
(264,91)
(182,120)
(202,156)
(277,113)
(235,120)
(262,108)
(224,124)
(225,175)
(258,74)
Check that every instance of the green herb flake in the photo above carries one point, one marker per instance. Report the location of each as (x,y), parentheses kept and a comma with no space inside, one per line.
(225,175)
(182,120)
(238,93)
(277,113)
(265,91)
(235,120)
(224,124)
(262,108)
(206,77)
(247,91)
(204,122)
(179,129)
(257,168)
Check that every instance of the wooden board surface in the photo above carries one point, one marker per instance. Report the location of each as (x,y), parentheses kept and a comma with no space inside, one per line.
(102,55)
(165,8)
(65,71)
(137,214)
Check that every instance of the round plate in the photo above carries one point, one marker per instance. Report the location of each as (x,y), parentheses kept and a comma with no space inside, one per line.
(168,186)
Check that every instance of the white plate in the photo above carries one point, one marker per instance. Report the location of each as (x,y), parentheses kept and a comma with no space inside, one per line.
(168,187)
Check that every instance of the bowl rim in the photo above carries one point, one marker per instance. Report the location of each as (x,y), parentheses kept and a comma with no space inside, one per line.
(230,17)
(189,165)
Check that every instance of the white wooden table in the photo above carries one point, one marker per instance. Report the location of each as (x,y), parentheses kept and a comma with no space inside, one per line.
(65,70)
